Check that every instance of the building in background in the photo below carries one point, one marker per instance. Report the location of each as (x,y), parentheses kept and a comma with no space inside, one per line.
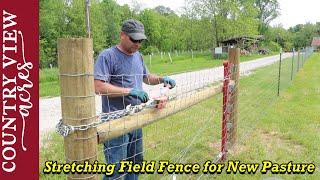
(316,43)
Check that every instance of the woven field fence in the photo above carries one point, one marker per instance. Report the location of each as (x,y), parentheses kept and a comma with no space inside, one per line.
(187,127)
(202,119)
(258,91)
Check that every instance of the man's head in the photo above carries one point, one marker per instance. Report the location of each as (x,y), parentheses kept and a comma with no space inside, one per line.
(132,35)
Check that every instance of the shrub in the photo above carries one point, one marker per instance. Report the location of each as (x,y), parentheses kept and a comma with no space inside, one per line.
(270,45)
(150,50)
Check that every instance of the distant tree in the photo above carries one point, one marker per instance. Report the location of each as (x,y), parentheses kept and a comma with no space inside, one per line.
(216,11)
(189,11)
(136,6)
(229,18)
(127,13)
(202,24)
(52,26)
(164,10)
(280,36)
(112,18)
(268,10)
(98,25)
(318,28)
(303,34)
(151,22)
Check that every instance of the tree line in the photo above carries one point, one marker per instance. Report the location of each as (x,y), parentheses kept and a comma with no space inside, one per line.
(202,24)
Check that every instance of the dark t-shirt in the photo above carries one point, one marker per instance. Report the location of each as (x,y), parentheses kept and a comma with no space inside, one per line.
(122,70)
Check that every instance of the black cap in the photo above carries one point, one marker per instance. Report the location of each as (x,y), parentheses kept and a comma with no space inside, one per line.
(134,29)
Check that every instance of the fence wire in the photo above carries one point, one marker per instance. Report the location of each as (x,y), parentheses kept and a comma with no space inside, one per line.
(189,136)
(194,134)
(257,94)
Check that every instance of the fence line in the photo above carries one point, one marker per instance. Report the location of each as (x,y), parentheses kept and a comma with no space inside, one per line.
(78,106)
(78,109)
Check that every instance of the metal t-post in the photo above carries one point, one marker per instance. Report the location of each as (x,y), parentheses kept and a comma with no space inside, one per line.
(279,75)
(298,62)
(292,64)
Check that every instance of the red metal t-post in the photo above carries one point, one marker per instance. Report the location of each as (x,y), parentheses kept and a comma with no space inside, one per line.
(224,110)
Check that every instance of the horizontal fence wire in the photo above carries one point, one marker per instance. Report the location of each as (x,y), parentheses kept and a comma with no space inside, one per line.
(189,136)
(257,96)
(193,135)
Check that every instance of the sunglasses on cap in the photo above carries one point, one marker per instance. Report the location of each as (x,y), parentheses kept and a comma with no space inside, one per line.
(136,41)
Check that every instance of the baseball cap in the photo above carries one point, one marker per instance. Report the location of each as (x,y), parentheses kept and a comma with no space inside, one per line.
(134,29)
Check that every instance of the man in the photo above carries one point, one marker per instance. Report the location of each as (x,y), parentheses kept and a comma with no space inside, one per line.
(119,72)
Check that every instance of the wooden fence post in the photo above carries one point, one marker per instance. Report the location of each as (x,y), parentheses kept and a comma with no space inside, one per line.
(234,60)
(75,60)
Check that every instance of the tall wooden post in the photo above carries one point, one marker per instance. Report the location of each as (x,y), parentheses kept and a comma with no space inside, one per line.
(75,60)
(234,60)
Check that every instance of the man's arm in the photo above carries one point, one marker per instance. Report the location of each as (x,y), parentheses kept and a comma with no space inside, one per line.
(153,79)
(110,90)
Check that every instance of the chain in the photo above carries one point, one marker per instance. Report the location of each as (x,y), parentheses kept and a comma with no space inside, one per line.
(66,130)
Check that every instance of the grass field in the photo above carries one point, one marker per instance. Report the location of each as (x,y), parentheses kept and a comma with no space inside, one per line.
(49,79)
(280,129)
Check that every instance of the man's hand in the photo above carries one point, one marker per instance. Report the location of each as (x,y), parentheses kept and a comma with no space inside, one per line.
(140,94)
(171,82)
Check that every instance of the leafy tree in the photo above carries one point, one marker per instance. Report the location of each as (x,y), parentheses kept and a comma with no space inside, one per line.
(280,36)
(202,25)
(136,6)
(188,18)
(304,33)
(98,26)
(163,10)
(126,13)
(112,16)
(229,18)
(151,22)
(268,10)
(51,17)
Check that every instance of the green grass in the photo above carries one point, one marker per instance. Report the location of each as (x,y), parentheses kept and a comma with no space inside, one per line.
(280,129)
(298,110)
(49,82)
(49,78)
